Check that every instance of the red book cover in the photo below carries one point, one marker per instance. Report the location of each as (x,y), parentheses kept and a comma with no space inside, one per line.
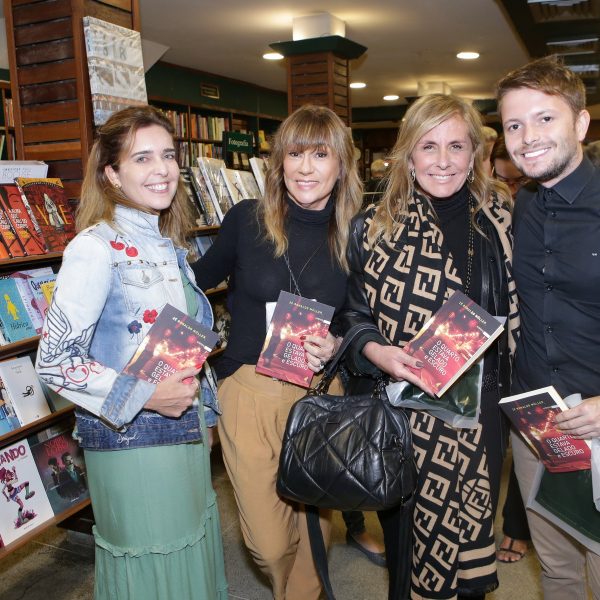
(282,355)
(173,343)
(532,414)
(9,240)
(25,224)
(49,204)
(452,340)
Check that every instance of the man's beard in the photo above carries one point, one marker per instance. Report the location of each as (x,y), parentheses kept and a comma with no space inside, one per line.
(556,168)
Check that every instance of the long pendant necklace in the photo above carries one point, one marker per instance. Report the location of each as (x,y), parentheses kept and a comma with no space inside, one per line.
(470,245)
(293,279)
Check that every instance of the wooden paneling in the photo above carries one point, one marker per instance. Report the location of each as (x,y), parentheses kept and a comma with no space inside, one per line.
(43,113)
(65,169)
(43,32)
(45,53)
(49,92)
(45,74)
(36,12)
(67,130)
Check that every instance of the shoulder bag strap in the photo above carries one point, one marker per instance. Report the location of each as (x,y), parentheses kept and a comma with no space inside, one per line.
(317,546)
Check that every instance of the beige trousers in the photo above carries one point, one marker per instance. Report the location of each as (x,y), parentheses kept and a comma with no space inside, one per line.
(251,428)
(568,568)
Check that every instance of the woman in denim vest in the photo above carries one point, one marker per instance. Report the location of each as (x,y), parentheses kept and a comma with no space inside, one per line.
(157,527)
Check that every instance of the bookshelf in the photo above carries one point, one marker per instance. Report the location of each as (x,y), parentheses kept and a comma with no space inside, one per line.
(199,128)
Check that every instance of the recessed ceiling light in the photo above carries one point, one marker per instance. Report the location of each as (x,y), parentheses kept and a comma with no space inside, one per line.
(273,56)
(357,85)
(391,97)
(468,55)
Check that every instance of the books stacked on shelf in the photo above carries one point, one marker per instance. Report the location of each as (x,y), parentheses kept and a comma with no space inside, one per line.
(452,340)
(61,467)
(23,390)
(179,120)
(211,171)
(203,196)
(259,168)
(25,504)
(10,169)
(174,342)
(533,414)
(24,299)
(208,128)
(199,220)
(282,355)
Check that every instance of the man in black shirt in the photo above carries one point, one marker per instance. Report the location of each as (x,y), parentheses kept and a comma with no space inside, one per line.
(557,271)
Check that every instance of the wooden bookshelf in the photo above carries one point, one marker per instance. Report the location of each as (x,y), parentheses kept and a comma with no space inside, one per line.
(7,125)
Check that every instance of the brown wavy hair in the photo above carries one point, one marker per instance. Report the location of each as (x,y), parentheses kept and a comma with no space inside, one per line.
(426,113)
(306,128)
(99,197)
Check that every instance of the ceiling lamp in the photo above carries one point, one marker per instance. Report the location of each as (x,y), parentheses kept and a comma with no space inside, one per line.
(467,55)
(358,85)
(391,97)
(272,56)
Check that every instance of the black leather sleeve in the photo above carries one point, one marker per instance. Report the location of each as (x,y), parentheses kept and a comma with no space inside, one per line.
(357,309)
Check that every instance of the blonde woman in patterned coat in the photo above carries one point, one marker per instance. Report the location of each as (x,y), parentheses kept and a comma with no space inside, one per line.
(443,225)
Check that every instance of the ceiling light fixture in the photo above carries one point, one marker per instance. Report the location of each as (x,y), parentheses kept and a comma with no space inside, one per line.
(272,56)
(358,85)
(391,97)
(467,55)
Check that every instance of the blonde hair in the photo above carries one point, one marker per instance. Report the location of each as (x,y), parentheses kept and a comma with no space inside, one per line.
(422,116)
(307,128)
(99,197)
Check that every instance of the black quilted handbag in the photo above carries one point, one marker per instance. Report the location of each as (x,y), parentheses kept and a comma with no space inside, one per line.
(350,452)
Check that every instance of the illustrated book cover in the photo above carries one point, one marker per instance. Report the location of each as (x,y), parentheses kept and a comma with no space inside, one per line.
(24,389)
(51,209)
(283,355)
(61,467)
(233,184)
(24,222)
(259,168)
(203,196)
(38,285)
(452,340)
(24,504)
(195,206)
(9,239)
(8,417)
(532,414)
(21,278)
(211,170)
(15,321)
(173,343)
(248,184)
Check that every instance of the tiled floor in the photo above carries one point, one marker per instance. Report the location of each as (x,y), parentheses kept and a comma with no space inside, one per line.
(60,567)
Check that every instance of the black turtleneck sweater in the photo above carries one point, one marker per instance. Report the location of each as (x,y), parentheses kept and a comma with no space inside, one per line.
(256,276)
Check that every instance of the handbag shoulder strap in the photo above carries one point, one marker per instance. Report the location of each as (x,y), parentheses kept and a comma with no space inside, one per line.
(317,546)
(333,364)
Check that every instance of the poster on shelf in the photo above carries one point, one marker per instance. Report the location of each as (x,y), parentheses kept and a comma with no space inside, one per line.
(115,66)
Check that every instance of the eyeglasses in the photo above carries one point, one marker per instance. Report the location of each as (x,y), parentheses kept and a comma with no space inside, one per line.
(508,181)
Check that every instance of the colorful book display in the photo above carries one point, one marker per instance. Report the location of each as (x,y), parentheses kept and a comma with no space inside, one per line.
(173,343)
(283,355)
(24,504)
(532,414)
(14,319)
(452,340)
(51,210)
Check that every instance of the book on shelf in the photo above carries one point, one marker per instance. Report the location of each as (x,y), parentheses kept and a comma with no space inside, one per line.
(24,389)
(203,196)
(197,214)
(233,184)
(10,244)
(173,343)
(248,184)
(203,243)
(211,170)
(14,318)
(25,504)
(51,209)
(47,288)
(21,279)
(2,140)
(10,169)
(8,418)
(19,212)
(532,414)
(263,144)
(222,319)
(282,355)
(259,168)
(40,298)
(452,340)
(61,467)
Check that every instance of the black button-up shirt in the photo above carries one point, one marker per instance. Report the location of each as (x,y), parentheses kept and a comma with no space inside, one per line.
(557,270)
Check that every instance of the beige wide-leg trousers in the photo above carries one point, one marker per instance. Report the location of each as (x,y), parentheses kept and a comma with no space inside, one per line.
(251,428)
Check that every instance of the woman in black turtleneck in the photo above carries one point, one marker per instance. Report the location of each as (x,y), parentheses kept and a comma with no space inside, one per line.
(442,225)
(294,239)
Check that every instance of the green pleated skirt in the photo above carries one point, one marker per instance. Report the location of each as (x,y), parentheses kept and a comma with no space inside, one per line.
(157,532)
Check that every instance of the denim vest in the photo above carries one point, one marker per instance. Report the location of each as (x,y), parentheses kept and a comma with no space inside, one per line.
(114,280)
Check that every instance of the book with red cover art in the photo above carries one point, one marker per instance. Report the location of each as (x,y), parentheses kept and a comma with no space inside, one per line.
(283,355)
(532,414)
(173,343)
(9,240)
(49,204)
(452,340)
(22,219)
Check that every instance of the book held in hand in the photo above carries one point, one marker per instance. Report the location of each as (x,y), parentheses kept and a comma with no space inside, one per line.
(452,340)
(283,355)
(173,343)
(532,414)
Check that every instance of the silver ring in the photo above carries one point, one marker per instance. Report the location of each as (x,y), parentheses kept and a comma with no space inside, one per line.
(322,364)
